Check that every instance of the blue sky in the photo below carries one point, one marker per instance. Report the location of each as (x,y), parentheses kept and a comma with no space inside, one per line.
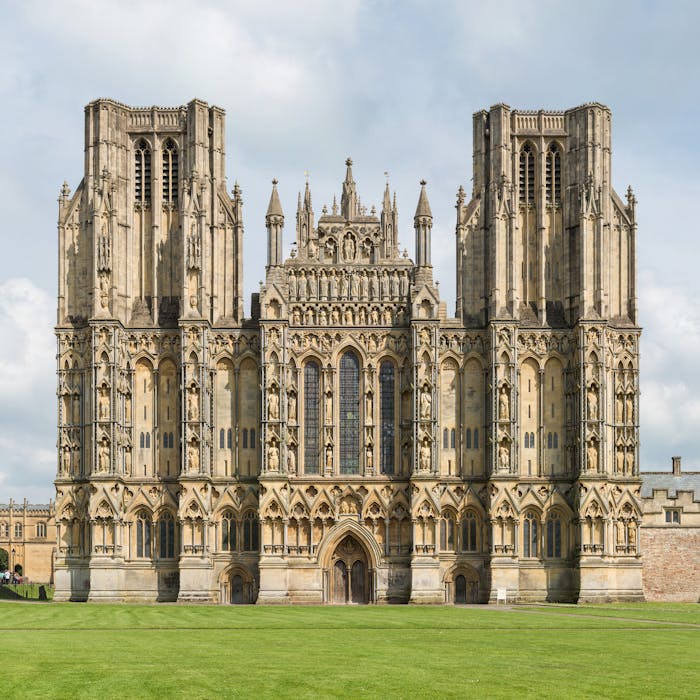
(304,85)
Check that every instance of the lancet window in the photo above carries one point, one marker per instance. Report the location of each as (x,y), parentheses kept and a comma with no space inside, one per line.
(312,426)
(527,175)
(170,174)
(386,398)
(349,414)
(553,174)
(142,173)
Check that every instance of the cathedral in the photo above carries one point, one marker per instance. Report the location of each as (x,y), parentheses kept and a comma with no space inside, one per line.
(349,441)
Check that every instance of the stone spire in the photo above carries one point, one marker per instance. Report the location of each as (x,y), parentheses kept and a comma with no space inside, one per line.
(389,225)
(348,202)
(305,219)
(274,220)
(423,224)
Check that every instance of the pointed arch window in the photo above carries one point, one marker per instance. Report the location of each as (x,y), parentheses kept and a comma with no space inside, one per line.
(349,414)
(554,536)
(386,400)
(221,439)
(143,536)
(527,175)
(166,528)
(250,532)
(530,539)
(476,438)
(142,173)
(469,528)
(228,533)
(447,533)
(553,174)
(312,427)
(170,172)
(229,438)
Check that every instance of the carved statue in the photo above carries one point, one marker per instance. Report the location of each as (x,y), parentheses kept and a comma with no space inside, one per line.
(369,407)
(273,405)
(503,404)
(193,456)
(503,455)
(313,248)
(65,460)
(291,460)
(192,404)
(323,285)
(329,407)
(592,400)
(329,456)
(630,408)
(620,533)
(343,286)
(620,460)
(426,403)
(292,286)
(632,533)
(619,404)
(349,248)
(354,286)
(292,408)
(369,458)
(364,285)
(273,457)
(103,456)
(425,456)
(335,316)
(103,404)
(592,455)
(629,463)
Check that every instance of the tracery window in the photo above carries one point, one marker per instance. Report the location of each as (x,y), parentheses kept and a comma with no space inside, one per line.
(554,536)
(18,530)
(228,533)
(386,401)
(527,175)
(142,173)
(469,541)
(250,533)
(349,414)
(41,529)
(312,427)
(167,536)
(143,536)
(553,174)
(530,541)
(3,529)
(447,533)
(170,172)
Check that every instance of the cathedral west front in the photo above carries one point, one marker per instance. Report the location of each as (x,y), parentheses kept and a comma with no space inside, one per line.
(349,441)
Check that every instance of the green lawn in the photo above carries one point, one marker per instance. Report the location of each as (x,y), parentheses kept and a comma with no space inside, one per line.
(130,651)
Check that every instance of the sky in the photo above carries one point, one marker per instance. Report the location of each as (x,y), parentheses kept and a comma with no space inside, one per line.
(305,84)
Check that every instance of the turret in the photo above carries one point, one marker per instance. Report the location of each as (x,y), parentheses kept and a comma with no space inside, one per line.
(423,224)
(305,219)
(389,224)
(348,202)
(274,221)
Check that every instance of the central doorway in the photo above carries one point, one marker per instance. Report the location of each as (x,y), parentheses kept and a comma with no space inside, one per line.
(349,577)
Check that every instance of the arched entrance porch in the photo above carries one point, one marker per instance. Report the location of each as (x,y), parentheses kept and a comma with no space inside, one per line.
(463,585)
(349,557)
(237,586)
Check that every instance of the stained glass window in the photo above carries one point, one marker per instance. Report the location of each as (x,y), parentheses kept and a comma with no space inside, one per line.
(386,398)
(312,400)
(349,414)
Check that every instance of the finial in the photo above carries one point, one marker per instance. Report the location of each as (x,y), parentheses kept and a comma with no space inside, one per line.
(65,190)
(274,182)
(386,175)
(423,182)
(348,162)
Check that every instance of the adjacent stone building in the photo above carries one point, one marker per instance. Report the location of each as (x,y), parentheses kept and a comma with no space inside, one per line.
(670,535)
(28,539)
(349,441)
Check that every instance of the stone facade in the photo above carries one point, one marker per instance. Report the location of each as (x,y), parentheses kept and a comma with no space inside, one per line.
(28,537)
(670,535)
(349,442)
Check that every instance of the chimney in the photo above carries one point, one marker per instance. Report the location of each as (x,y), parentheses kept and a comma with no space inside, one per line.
(676,462)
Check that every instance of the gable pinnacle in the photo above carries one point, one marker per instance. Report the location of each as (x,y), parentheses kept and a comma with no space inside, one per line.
(274,208)
(423,208)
